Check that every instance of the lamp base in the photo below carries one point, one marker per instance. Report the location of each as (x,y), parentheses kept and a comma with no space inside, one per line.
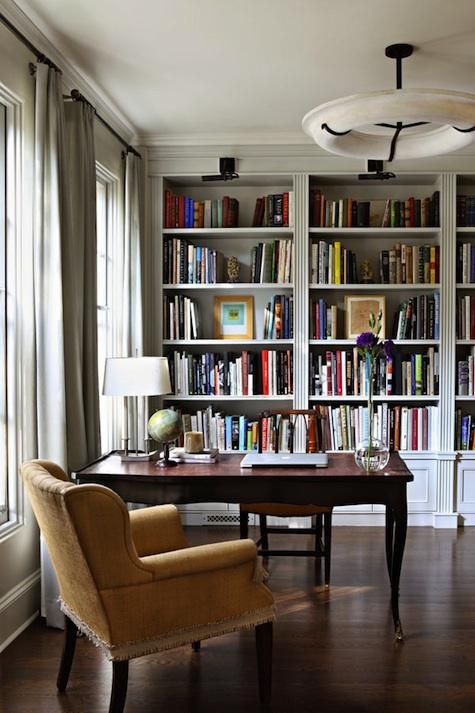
(139,457)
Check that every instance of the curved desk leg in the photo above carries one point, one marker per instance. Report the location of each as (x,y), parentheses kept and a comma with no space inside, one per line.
(398,517)
(389,539)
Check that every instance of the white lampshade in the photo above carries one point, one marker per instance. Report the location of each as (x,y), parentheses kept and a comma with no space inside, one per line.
(136,376)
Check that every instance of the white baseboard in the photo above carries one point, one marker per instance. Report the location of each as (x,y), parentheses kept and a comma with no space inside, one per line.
(445,520)
(10,598)
(17,632)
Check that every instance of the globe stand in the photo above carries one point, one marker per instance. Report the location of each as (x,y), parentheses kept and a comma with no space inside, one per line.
(165,462)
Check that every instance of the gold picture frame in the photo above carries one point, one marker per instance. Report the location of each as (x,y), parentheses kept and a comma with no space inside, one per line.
(357,311)
(233,317)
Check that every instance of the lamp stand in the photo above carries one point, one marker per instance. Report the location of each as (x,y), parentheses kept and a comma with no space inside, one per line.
(137,456)
(165,462)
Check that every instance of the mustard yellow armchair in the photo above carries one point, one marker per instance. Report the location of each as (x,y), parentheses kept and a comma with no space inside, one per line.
(131,583)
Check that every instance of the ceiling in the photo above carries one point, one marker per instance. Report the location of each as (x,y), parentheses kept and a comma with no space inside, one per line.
(185,69)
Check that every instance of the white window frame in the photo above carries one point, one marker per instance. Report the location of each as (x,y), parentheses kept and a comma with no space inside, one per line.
(13,258)
(108,407)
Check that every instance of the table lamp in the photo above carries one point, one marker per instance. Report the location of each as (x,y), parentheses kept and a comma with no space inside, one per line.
(132,377)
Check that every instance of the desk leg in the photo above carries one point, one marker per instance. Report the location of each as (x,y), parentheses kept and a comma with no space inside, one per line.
(397,521)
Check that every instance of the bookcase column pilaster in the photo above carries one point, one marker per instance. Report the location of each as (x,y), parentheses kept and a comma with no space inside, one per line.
(445,515)
(301,319)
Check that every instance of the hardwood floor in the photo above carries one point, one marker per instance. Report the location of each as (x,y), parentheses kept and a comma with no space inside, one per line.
(334,650)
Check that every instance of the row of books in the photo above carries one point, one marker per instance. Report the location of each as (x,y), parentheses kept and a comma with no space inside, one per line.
(386,213)
(465,262)
(279,318)
(346,372)
(268,372)
(185,212)
(272,262)
(180,318)
(466,375)
(332,264)
(464,431)
(323,320)
(407,264)
(274,210)
(466,317)
(465,210)
(186,263)
(400,427)
(337,428)
(418,318)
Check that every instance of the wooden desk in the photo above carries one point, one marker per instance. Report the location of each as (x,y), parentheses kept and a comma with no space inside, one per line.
(342,483)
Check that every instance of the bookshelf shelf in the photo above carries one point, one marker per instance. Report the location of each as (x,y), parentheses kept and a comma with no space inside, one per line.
(376,233)
(377,287)
(251,233)
(235,287)
(227,343)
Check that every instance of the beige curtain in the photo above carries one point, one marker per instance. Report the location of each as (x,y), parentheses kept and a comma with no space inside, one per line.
(64,286)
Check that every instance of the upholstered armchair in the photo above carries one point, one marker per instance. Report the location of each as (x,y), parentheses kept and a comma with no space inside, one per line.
(131,583)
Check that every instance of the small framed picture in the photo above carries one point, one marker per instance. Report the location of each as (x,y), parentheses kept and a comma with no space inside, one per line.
(357,312)
(233,317)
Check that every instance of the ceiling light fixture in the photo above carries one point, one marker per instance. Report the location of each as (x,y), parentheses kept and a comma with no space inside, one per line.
(394,123)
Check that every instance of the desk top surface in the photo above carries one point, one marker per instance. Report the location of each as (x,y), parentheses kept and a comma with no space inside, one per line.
(341,466)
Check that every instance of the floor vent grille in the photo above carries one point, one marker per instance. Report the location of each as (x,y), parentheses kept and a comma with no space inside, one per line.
(227,518)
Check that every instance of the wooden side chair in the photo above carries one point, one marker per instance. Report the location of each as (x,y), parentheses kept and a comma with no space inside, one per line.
(283,436)
(131,583)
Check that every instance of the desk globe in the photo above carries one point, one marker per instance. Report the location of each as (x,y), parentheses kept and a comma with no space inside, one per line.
(165,426)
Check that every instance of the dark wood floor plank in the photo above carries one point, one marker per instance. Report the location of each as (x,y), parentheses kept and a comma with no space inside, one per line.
(334,650)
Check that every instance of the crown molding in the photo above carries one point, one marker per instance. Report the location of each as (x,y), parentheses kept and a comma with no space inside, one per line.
(36,32)
(291,138)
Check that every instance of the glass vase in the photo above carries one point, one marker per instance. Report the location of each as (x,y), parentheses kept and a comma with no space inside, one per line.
(371,456)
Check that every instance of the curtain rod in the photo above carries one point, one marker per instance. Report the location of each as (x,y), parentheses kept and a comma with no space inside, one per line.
(41,57)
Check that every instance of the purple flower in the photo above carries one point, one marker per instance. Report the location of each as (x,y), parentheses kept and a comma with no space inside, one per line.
(367,340)
(388,347)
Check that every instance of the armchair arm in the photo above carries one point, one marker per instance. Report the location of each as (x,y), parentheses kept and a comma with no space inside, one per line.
(156,529)
(203,558)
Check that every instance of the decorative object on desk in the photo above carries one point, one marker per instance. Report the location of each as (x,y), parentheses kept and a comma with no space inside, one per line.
(233,268)
(358,311)
(393,123)
(233,317)
(366,273)
(164,426)
(371,454)
(207,455)
(134,377)
(193,441)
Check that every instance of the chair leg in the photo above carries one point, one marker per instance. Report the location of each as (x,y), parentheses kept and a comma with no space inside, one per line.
(196,646)
(120,677)
(69,646)
(327,528)
(317,524)
(243,524)
(264,534)
(264,661)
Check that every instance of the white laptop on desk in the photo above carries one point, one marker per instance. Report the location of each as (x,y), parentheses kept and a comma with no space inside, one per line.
(285,460)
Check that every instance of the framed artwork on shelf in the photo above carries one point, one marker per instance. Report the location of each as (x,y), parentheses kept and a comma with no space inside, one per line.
(233,317)
(357,312)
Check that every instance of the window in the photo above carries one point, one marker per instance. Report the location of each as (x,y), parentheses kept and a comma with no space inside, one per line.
(108,278)
(3,326)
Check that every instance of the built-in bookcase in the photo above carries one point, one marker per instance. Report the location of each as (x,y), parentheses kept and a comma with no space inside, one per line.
(435,294)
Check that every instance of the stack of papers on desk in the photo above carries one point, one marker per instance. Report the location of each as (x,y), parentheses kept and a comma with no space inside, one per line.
(208,455)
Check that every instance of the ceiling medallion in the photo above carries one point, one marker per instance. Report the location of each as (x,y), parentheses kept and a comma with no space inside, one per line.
(394,124)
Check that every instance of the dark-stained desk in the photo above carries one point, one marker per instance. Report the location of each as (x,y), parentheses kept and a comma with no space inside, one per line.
(341,483)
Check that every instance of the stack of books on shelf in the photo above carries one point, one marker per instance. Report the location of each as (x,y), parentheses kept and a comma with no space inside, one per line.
(184,212)
(418,318)
(465,211)
(268,372)
(278,318)
(400,427)
(465,263)
(464,431)
(275,210)
(180,318)
(407,264)
(184,263)
(272,262)
(466,375)
(466,317)
(323,320)
(345,373)
(332,264)
(388,213)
